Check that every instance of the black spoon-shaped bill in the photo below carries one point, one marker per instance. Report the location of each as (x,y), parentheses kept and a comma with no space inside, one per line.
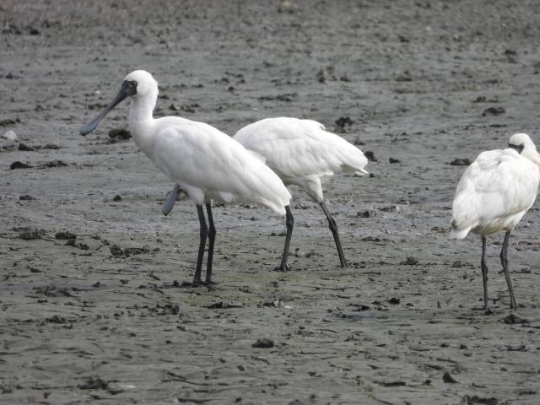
(127,89)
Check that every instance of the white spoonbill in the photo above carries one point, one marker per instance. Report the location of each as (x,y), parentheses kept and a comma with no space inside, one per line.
(206,163)
(494,193)
(301,152)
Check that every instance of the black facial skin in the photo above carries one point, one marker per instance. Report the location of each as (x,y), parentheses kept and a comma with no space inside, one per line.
(518,148)
(128,88)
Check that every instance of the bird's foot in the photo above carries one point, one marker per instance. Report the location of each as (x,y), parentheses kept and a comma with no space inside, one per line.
(191,284)
(209,284)
(283,268)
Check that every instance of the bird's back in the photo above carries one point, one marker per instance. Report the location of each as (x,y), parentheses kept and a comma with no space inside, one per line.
(211,165)
(296,148)
(494,193)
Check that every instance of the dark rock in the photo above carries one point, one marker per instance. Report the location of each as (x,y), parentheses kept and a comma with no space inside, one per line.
(493,111)
(344,121)
(52,291)
(404,77)
(263,343)
(60,320)
(31,233)
(360,307)
(371,156)
(167,309)
(371,239)
(327,74)
(73,242)
(26,148)
(51,146)
(136,251)
(403,39)
(54,163)
(410,261)
(513,319)
(392,383)
(287,97)
(393,160)
(6,122)
(518,348)
(116,250)
(19,165)
(473,400)
(94,384)
(389,208)
(447,378)
(189,108)
(11,29)
(117,135)
(460,162)
(366,214)
(65,235)
(223,305)
(357,141)
(26,197)
(480,99)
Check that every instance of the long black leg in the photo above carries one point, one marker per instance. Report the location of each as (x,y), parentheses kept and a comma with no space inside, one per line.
(211,239)
(504,262)
(484,272)
(333,227)
(289,221)
(202,243)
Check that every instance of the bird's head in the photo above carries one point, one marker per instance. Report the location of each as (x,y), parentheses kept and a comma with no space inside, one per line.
(139,83)
(524,145)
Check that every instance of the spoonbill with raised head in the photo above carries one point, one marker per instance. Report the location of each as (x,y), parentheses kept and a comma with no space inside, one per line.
(206,163)
(494,193)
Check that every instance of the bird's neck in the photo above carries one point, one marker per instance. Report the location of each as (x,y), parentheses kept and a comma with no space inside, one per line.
(141,122)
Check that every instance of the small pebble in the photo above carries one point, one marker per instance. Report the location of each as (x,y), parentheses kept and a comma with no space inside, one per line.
(10,136)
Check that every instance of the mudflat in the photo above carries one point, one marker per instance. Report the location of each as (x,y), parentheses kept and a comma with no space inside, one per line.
(92,307)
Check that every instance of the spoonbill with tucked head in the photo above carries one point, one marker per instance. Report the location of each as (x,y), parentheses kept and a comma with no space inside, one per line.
(494,193)
(303,153)
(206,163)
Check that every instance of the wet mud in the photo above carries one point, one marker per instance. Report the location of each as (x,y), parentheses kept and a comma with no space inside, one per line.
(93,305)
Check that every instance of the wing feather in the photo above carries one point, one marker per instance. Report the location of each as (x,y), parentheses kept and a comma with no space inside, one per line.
(201,157)
(499,184)
(297,148)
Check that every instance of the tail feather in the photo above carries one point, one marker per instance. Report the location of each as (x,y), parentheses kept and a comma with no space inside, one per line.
(361,172)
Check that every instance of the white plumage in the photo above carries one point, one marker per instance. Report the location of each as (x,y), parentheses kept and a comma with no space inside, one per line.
(303,153)
(206,163)
(494,193)
(210,165)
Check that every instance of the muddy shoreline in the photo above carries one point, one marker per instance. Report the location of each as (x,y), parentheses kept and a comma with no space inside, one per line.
(92,308)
